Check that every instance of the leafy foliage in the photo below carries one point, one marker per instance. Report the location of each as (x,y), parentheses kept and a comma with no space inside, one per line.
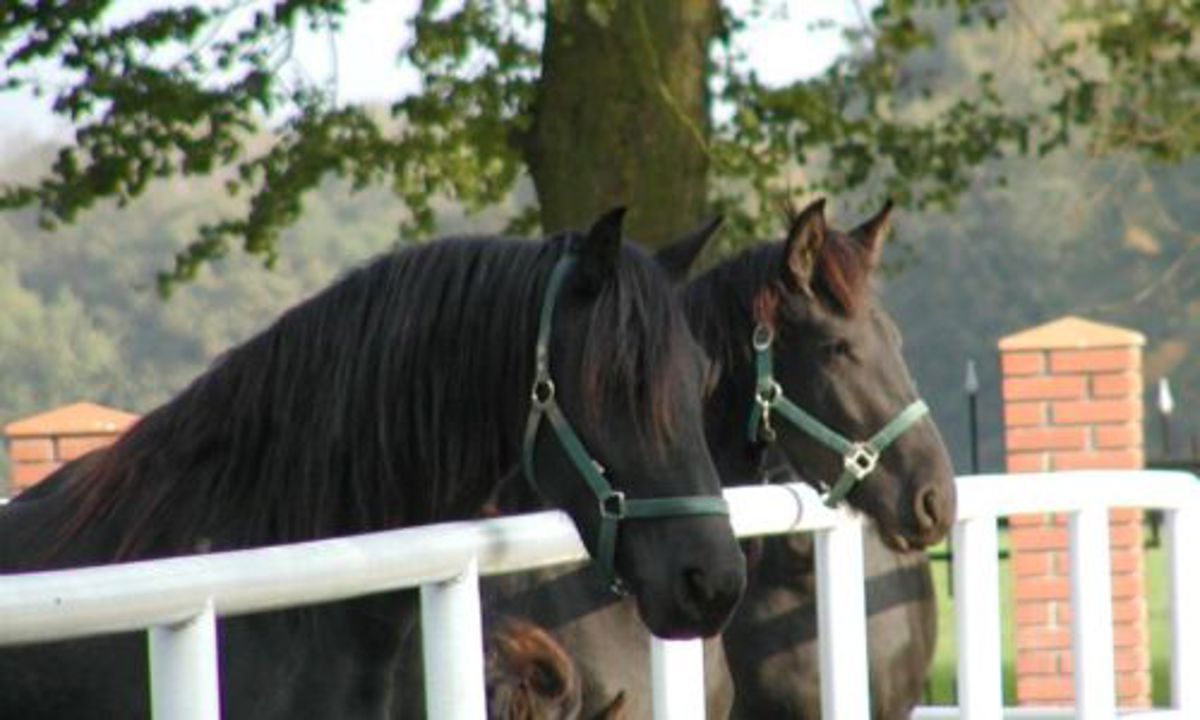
(181,92)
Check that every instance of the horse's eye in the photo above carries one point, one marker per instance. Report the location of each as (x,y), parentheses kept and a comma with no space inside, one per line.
(836,349)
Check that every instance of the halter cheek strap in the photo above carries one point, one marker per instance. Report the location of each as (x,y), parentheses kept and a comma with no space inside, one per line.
(859,459)
(613,505)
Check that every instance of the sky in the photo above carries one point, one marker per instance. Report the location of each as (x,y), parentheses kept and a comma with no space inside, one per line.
(367,46)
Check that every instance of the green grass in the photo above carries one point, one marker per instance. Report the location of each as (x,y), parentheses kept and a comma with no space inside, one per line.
(1160,626)
(941,690)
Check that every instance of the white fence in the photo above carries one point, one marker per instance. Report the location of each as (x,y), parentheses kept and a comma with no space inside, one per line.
(179,599)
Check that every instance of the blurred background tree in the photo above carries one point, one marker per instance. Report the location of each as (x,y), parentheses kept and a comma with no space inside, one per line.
(598,102)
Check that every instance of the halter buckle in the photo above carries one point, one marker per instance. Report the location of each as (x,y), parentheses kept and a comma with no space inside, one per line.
(542,393)
(861,460)
(612,505)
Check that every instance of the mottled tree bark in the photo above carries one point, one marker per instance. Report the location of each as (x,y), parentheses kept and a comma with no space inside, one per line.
(621,114)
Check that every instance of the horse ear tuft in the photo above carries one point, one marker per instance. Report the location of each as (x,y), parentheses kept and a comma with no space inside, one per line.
(600,249)
(872,233)
(677,258)
(615,710)
(803,245)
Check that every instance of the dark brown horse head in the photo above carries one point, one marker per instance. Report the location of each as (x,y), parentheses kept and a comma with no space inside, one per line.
(835,354)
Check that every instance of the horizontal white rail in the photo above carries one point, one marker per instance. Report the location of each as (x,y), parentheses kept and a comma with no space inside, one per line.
(1003,495)
(133,596)
(1031,712)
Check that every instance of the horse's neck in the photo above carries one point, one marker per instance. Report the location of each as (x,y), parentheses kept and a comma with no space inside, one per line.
(29,525)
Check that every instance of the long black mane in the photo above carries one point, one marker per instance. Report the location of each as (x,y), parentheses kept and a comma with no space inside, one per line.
(394,397)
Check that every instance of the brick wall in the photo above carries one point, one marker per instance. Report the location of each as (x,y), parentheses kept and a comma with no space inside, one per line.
(1072,401)
(39,445)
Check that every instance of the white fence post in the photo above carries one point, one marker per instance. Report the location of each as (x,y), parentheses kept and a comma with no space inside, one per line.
(184,680)
(1091,614)
(977,618)
(677,670)
(841,623)
(452,642)
(1183,537)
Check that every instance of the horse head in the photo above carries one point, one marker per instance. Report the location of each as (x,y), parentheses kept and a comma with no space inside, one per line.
(617,422)
(808,360)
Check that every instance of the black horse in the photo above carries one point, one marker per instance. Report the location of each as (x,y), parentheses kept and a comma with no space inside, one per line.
(836,355)
(398,396)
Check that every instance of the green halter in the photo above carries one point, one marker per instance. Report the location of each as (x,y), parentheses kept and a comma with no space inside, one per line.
(614,506)
(858,458)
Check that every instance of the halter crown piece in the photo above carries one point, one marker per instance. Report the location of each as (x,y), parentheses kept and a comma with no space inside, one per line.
(859,459)
(613,505)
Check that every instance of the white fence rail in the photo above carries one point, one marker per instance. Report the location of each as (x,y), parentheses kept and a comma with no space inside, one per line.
(1085,498)
(178,599)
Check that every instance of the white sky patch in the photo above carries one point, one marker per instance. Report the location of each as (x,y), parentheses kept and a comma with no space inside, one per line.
(363,60)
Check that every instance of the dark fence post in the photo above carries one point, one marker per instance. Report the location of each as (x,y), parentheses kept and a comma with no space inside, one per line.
(971,385)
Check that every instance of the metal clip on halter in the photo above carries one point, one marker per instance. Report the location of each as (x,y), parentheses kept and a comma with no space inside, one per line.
(861,460)
(613,505)
(766,396)
(768,391)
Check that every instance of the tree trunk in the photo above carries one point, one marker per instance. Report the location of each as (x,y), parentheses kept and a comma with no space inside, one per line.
(621,115)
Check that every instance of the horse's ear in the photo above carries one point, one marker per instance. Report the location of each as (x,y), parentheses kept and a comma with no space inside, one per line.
(615,710)
(678,257)
(872,233)
(803,245)
(600,249)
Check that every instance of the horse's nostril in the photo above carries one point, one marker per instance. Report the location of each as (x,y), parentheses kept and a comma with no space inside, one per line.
(697,586)
(711,593)
(704,596)
(928,509)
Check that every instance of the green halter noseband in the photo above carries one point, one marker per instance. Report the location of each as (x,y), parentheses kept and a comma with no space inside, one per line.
(613,505)
(859,459)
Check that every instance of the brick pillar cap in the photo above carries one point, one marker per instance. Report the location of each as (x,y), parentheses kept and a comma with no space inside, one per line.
(1073,333)
(82,418)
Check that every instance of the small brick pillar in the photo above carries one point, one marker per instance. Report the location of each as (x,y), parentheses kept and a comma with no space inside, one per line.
(1073,401)
(39,445)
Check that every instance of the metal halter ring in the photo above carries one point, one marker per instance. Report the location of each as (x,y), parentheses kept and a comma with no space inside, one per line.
(613,505)
(861,460)
(768,395)
(543,393)
(763,337)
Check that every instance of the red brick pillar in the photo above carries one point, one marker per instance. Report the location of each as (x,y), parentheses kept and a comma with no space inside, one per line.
(1073,401)
(39,445)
